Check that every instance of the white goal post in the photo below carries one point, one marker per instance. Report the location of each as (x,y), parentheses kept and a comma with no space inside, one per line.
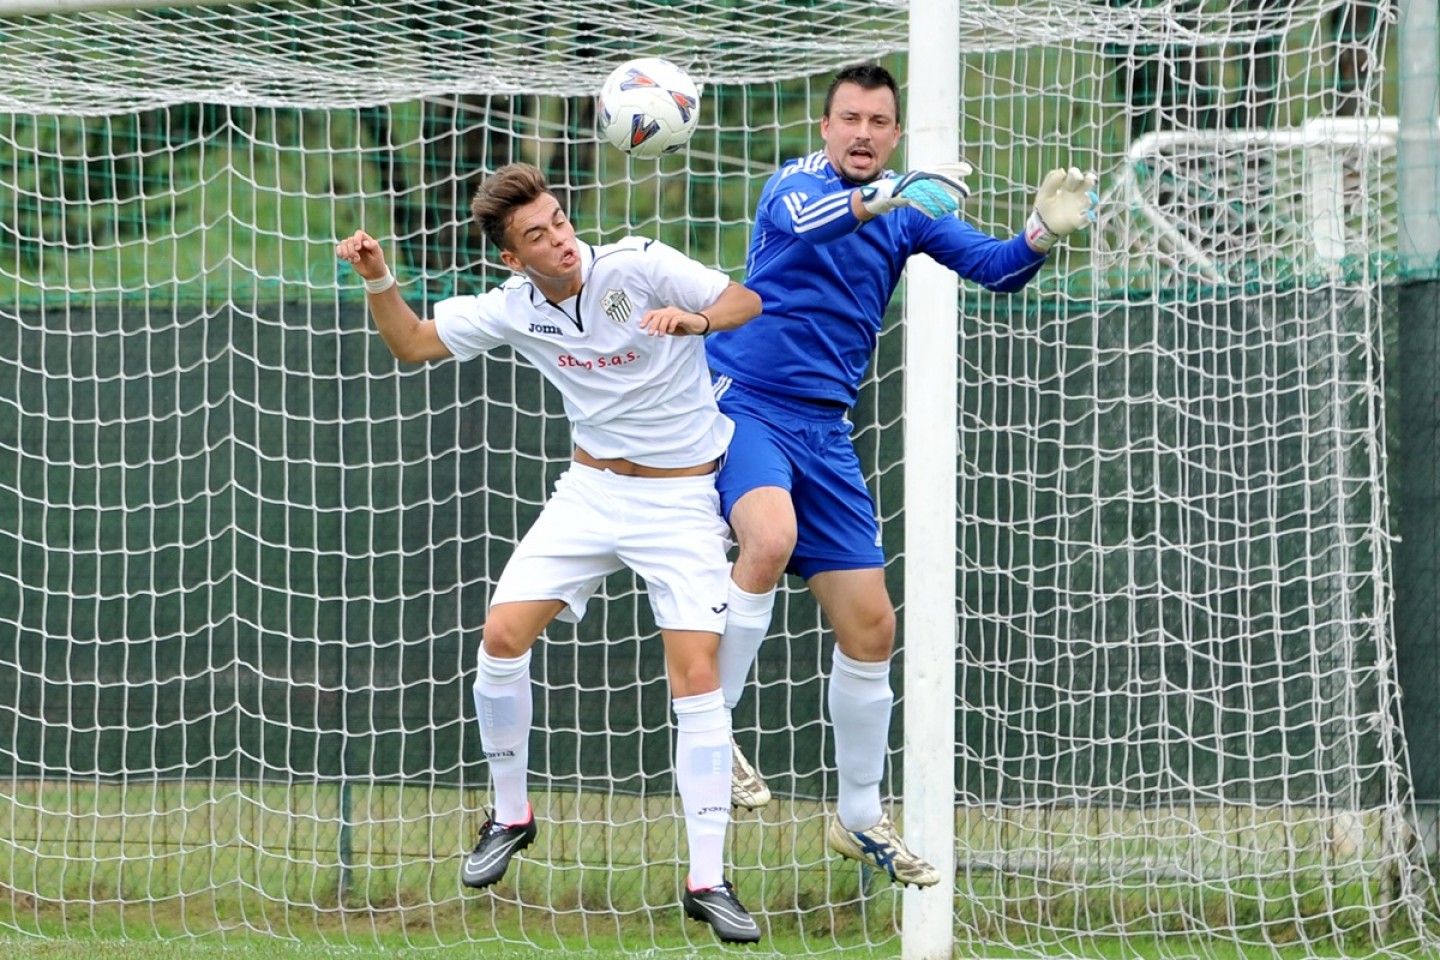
(1138,515)
(931,453)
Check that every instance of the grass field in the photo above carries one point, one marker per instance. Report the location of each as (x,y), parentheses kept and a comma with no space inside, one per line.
(1117,949)
(238,869)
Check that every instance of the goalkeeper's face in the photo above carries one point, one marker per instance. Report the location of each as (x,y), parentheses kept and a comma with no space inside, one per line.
(860,132)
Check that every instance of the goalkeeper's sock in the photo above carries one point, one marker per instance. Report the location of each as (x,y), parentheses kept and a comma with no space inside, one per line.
(504,702)
(702,778)
(747,620)
(860,700)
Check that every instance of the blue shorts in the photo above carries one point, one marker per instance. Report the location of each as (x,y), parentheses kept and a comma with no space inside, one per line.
(804,448)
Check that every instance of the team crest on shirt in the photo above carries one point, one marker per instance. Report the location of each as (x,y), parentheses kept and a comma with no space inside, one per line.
(616,305)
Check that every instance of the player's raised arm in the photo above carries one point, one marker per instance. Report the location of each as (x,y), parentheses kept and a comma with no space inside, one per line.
(935,191)
(814,216)
(408,337)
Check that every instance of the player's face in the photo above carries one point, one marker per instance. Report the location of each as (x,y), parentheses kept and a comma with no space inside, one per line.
(542,244)
(861,131)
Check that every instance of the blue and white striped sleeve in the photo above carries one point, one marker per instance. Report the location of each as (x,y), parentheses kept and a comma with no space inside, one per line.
(1003,266)
(800,208)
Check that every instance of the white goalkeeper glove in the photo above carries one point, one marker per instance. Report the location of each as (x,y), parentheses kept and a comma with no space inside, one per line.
(935,191)
(1065,203)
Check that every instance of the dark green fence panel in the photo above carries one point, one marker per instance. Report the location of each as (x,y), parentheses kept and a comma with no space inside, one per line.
(243,544)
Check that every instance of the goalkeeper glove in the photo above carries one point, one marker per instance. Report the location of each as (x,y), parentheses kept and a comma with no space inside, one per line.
(935,191)
(1065,202)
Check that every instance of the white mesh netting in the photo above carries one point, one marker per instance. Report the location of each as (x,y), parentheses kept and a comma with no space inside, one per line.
(244,555)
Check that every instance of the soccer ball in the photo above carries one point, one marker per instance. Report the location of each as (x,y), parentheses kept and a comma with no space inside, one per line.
(648,107)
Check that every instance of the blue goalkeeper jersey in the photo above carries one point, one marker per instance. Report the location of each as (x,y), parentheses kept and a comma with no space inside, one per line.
(825,279)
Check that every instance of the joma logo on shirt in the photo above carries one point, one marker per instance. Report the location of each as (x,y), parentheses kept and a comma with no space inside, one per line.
(544,328)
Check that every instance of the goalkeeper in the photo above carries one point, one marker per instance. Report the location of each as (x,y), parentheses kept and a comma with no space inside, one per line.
(832,233)
(616,329)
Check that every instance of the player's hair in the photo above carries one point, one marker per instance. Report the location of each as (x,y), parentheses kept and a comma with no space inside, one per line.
(867,76)
(501,194)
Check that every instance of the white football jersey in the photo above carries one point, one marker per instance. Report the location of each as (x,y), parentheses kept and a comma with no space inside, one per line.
(627,394)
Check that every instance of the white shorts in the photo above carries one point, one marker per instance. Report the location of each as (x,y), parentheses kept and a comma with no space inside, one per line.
(666,529)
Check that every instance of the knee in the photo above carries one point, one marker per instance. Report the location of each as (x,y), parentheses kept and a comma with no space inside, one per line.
(766,553)
(693,679)
(504,639)
(691,665)
(882,633)
(871,636)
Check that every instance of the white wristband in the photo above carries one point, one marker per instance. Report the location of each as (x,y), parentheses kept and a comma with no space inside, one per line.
(1039,234)
(381,285)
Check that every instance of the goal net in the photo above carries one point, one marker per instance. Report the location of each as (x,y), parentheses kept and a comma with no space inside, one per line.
(245,555)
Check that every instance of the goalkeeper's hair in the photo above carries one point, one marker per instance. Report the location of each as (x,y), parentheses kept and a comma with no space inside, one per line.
(501,194)
(867,76)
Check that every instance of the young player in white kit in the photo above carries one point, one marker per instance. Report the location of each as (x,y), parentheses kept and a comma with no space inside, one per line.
(618,330)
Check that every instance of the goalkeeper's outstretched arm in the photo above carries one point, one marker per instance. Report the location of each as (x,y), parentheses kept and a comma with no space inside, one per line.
(408,337)
(804,209)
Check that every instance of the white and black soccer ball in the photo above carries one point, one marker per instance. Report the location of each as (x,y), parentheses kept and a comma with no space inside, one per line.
(648,107)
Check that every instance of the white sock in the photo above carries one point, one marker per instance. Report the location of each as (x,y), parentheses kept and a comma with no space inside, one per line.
(860,704)
(747,620)
(702,778)
(504,703)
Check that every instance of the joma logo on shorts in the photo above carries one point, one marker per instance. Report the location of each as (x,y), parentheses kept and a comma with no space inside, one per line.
(544,328)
